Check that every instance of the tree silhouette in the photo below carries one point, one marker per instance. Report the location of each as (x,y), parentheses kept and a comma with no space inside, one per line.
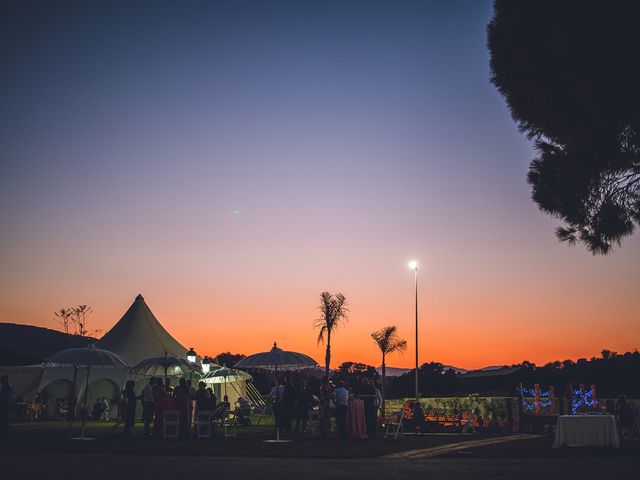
(388,341)
(334,310)
(64,314)
(229,359)
(569,74)
(79,318)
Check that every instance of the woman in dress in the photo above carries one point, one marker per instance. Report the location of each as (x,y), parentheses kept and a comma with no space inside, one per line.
(181,395)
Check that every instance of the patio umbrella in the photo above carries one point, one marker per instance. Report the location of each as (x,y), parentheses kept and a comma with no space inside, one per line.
(85,357)
(224,375)
(169,365)
(274,359)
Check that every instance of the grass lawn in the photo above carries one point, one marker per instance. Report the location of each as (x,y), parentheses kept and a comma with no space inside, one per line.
(55,437)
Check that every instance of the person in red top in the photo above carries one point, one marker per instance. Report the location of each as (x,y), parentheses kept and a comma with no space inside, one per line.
(181,395)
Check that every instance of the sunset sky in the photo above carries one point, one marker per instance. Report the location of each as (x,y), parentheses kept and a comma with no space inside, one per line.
(230,160)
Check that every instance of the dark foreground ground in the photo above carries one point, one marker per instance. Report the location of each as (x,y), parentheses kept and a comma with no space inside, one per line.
(114,466)
(37,453)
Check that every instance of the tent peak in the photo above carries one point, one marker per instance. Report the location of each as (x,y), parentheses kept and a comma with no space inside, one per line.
(140,297)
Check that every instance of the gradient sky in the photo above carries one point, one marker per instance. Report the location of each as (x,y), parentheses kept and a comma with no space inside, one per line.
(230,160)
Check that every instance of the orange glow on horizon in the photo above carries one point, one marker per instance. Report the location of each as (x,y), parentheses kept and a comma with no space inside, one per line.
(447,334)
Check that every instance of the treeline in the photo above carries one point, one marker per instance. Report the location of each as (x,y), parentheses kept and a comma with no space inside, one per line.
(613,374)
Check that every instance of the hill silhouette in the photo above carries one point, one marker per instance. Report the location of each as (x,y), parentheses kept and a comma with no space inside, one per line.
(28,345)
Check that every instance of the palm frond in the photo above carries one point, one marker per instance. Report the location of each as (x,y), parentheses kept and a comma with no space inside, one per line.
(388,340)
(320,339)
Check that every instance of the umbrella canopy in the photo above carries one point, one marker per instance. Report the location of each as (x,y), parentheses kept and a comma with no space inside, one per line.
(163,366)
(276,358)
(86,357)
(225,375)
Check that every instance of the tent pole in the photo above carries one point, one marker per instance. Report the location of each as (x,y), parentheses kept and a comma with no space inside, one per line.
(86,393)
(71,408)
(275,410)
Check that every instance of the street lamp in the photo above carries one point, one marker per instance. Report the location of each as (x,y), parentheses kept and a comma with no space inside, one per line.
(413,265)
(191,356)
(206,364)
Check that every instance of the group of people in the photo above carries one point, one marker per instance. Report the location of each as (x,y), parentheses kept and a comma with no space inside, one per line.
(158,397)
(6,398)
(291,402)
(625,416)
(295,401)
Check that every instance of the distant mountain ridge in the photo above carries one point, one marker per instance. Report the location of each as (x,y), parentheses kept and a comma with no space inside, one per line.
(28,345)
(397,371)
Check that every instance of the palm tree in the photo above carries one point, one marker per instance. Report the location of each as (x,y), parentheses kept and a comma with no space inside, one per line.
(388,341)
(334,310)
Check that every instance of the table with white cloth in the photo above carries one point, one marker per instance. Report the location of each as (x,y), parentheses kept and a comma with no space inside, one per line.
(586,430)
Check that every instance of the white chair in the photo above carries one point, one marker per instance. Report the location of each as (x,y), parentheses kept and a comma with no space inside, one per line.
(170,422)
(203,424)
(395,425)
(260,412)
(228,423)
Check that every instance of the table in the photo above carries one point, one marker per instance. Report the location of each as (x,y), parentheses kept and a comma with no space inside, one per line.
(586,430)
(356,426)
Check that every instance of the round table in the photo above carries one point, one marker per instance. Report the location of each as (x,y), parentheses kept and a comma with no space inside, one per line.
(356,426)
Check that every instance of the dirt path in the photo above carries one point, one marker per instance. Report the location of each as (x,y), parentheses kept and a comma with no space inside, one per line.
(454,447)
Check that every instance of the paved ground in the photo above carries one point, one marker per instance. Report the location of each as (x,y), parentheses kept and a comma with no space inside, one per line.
(46,452)
(110,467)
(519,457)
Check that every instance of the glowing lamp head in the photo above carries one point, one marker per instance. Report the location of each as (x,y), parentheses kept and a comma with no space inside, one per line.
(191,356)
(413,265)
(206,365)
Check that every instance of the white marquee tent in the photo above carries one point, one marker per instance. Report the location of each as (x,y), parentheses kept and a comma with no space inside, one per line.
(136,336)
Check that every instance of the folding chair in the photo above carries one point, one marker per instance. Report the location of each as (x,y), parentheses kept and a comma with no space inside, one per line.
(229,424)
(260,412)
(468,422)
(171,419)
(203,424)
(395,425)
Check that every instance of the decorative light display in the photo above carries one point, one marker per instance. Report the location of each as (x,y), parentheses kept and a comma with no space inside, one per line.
(582,398)
(540,398)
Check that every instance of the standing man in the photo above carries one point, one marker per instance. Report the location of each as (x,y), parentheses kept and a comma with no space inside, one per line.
(147,405)
(341,399)
(6,399)
(379,405)
(289,395)
(305,397)
(192,403)
(276,399)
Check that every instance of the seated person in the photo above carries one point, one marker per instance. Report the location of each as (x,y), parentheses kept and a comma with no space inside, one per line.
(98,409)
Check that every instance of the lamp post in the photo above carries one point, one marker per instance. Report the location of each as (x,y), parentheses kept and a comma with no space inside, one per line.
(191,358)
(191,355)
(206,364)
(413,265)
